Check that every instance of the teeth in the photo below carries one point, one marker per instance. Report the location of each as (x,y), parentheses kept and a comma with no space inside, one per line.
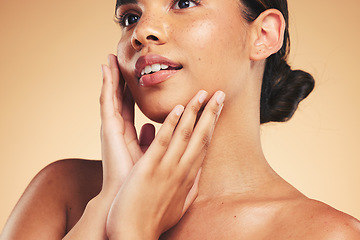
(154,68)
(148,69)
(163,66)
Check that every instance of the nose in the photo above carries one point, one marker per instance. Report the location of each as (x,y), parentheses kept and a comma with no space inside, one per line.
(149,30)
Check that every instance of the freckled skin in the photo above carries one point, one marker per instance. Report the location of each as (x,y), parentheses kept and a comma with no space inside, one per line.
(201,32)
(212,43)
(240,196)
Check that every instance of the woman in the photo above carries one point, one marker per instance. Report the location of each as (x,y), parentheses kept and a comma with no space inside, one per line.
(205,50)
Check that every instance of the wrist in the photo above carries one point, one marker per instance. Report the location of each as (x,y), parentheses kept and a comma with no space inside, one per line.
(120,227)
(128,233)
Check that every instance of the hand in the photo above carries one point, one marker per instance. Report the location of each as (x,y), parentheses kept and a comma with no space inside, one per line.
(164,182)
(120,150)
(120,146)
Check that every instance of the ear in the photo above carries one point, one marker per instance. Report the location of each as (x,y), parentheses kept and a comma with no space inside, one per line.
(267,34)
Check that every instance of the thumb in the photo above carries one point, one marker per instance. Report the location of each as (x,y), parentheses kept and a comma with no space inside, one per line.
(147,135)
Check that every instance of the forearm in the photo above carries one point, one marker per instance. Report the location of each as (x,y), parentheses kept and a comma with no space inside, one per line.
(92,224)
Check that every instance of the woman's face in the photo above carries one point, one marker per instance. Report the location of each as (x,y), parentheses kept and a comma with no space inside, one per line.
(169,50)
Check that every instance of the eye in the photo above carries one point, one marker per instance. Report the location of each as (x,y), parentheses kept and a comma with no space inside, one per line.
(181,4)
(128,19)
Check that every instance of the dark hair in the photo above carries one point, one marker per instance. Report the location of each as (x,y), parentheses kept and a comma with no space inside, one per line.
(282,88)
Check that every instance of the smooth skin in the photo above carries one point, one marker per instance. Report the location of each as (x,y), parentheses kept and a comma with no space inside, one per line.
(148,185)
(167,174)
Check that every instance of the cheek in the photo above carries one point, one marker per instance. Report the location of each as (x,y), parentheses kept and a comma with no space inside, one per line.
(204,48)
(217,48)
(125,59)
(216,31)
(122,51)
(201,33)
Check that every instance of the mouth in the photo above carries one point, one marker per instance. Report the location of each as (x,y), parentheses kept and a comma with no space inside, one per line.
(152,69)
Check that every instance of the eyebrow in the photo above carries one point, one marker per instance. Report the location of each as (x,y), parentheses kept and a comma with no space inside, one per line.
(124,2)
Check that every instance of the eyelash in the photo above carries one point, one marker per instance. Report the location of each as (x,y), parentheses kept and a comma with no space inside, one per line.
(194,1)
(121,19)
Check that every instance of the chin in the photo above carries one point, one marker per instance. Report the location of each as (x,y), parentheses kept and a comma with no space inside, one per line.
(155,112)
(157,104)
(156,117)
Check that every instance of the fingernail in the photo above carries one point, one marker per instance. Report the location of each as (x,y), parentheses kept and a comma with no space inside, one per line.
(220,109)
(179,110)
(218,113)
(220,97)
(102,70)
(202,96)
(108,59)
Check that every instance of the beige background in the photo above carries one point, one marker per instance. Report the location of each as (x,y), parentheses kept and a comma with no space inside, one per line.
(50,56)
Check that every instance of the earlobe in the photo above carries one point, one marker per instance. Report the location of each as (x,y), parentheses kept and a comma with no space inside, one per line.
(268,34)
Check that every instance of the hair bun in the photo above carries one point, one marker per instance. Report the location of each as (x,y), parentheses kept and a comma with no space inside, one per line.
(284,92)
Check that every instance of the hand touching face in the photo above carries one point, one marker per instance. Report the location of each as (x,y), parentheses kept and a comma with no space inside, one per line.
(153,190)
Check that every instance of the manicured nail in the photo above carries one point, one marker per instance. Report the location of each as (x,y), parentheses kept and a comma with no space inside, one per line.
(179,110)
(202,96)
(218,113)
(220,109)
(220,97)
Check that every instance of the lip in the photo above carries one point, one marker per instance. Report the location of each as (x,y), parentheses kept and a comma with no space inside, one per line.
(157,77)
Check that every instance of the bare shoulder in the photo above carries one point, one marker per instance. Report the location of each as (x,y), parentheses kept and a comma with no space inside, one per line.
(312,219)
(84,176)
(54,200)
(75,180)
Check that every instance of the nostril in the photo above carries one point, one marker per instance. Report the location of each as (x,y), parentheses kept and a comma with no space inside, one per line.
(152,37)
(137,42)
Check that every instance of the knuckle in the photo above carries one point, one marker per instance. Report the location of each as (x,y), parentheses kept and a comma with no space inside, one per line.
(205,140)
(214,109)
(101,99)
(164,141)
(186,134)
(195,108)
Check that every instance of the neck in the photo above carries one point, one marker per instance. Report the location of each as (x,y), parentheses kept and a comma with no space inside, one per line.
(235,163)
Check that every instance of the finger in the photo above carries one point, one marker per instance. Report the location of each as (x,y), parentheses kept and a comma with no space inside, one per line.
(193,193)
(147,135)
(203,131)
(184,129)
(106,100)
(116,76)
(162,140)
(128,111)
(128,114)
